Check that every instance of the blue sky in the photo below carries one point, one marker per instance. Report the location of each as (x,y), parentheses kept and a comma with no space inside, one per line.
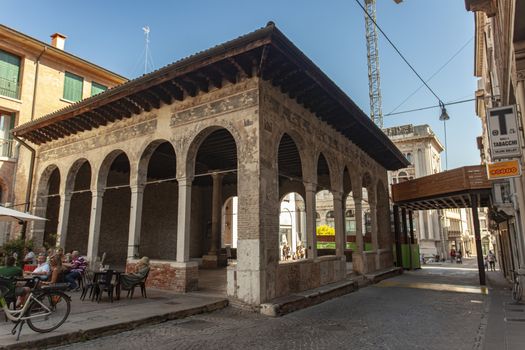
(330,32)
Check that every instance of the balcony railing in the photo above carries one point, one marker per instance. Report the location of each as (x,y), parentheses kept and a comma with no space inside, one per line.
(6,148)
(9,88)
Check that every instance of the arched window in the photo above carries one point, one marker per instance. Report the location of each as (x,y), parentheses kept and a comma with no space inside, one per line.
(402,177)
(409,157)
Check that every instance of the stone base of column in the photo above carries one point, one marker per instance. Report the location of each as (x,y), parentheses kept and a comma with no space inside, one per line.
(358,263)
(214,261)
(170,275)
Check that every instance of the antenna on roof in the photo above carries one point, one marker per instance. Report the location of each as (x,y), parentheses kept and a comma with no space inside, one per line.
(146,34)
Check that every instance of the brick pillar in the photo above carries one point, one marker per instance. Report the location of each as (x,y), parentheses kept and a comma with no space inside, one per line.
(135,220)
(340,233)
(63,218)
(310,189)
(94,224)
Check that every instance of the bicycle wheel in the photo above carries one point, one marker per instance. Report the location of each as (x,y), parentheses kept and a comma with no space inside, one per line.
(59,305)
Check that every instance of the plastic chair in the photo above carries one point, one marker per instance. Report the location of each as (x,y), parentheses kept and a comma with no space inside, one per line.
(142,285)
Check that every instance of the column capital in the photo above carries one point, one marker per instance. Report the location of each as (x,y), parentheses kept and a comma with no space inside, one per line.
(137,188)
(65,196)
(97,193)
(185,181)
(310,186)
(338,196)
(217,176)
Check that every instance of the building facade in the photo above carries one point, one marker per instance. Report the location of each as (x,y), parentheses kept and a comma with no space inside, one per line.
(422,149)
(36,79)
(500,66)
(252,118)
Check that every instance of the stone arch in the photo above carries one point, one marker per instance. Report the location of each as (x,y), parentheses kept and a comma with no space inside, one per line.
(139,172)
(188,158)
(78,187)
(103,169)
(323,165)
(292,226)
(212,162)
(290,174)
(113,181)
(72,173)
(47,205)
(301,146)
(155,177)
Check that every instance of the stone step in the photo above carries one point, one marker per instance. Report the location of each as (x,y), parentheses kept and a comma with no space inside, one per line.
(301,300)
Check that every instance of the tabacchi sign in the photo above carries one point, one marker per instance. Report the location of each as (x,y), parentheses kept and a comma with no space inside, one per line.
(503,132)
(501,170)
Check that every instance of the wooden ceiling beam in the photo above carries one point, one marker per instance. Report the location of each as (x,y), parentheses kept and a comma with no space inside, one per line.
(213,77)
(229,76)
(201,83)
(125,111)
(242,67)
(174,91)
(164,96)
(142,102)
(81,124)
(153,99)
(106,114)
(131,105)
(189,89)
(38,137)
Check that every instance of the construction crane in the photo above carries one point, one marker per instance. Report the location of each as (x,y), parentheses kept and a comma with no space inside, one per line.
(374,84)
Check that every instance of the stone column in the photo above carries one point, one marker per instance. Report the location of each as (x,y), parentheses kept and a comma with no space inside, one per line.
(310,190)
(340,234)
(373,225)
(135,220)
(63,218)
(358,202)
(94,224)
(216,213)
(359,263)
(183,220)
(211,260)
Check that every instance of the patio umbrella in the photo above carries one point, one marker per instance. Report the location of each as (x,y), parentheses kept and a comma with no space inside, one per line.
(7,214)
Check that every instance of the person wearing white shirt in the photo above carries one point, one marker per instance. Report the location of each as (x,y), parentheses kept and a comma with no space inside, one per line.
(42,271)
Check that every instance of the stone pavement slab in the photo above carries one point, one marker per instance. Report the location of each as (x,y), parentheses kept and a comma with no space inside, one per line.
(90,319)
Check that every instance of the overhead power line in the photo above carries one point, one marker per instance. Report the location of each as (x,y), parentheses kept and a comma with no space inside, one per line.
(399,52)
(430,107)
(433,75)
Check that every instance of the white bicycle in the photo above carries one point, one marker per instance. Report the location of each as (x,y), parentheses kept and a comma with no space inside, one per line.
(45,309)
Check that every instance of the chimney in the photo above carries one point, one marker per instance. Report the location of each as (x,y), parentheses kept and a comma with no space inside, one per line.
(58,40)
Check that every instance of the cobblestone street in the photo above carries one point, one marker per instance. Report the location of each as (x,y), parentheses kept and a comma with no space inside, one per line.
(438,307)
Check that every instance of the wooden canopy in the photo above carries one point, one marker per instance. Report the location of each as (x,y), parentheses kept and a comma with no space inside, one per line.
(445,190)
(266,53)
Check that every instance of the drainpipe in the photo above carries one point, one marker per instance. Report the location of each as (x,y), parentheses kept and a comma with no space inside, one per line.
(29,187)
(36,82)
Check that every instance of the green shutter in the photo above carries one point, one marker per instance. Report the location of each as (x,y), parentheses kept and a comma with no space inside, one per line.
(9,74)
(97,88)
(73,85)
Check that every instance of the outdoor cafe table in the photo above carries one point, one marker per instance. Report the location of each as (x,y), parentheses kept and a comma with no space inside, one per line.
(99,274)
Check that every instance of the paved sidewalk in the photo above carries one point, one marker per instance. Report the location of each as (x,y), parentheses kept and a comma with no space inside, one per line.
(90,319)
(505,324)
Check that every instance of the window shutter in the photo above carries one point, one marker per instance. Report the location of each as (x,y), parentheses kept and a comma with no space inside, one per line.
(97,88)
(73,85)
(9,74)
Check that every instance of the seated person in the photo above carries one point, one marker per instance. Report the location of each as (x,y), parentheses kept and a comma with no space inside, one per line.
(42,271)
(10,271)
(75,269)
(128,281)
(29,257)
(57,271)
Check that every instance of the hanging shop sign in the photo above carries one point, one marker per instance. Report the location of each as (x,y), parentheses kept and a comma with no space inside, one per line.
(503,132)
(503,170)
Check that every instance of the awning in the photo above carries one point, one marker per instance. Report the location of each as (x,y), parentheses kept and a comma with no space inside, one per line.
(7,214)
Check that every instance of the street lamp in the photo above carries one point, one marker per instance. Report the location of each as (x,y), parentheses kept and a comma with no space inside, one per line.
(444,117)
